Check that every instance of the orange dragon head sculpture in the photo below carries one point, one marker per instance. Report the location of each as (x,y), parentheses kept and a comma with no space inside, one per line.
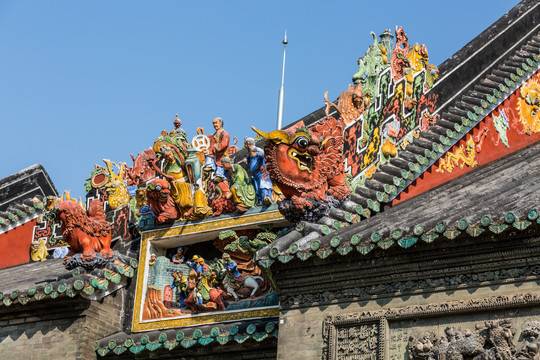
(307,166)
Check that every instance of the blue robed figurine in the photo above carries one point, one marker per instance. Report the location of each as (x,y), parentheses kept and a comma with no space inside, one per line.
(178,258)
(195,264)
(232,268)
(257,165)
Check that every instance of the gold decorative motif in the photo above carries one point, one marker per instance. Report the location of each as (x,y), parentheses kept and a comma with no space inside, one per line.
(528,106)
(213,224)
(116,188)
(199,320)
(465,153)
(39,250)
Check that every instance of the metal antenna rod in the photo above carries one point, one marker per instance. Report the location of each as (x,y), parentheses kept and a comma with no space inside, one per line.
(281,89)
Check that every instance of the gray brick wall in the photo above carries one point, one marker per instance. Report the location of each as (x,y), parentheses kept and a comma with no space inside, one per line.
(160,274)
(59,329)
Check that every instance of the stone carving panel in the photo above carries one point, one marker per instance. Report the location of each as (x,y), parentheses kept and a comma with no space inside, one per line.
(493,329)
(357,342)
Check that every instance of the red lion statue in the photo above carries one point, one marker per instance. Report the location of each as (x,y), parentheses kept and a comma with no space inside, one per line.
(158,197)
(84,234)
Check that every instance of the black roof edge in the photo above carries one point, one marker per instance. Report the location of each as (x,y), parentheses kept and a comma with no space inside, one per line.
(33,169)
(483,52)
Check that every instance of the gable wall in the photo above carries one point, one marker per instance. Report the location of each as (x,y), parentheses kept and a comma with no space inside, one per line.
(15,245)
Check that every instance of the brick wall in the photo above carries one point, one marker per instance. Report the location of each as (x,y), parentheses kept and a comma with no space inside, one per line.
(58,329)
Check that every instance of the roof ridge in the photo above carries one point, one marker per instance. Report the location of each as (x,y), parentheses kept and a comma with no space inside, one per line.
(120,342)
(519,211)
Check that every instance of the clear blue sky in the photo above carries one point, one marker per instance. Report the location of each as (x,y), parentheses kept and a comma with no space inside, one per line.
(85,80)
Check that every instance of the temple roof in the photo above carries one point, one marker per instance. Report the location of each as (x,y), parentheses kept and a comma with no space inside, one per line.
(465,108)
(501,196)
(38,281)
(25,184)
(21,194)
(473,82)
(189,337)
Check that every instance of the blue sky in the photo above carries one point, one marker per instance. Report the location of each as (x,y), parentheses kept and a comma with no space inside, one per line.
(85,80)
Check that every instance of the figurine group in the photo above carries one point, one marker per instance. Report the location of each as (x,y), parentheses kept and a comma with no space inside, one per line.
(198,179)
(201,287)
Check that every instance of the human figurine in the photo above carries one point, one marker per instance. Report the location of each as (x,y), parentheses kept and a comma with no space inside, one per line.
(192,205)
(197,294)
(196,288)
(175,174)
(241,185)
(219,145)
(180,283)
(178,258)
(222,202)
(152,260)
(194,264)
(179,134)
(232,269)
(257,165)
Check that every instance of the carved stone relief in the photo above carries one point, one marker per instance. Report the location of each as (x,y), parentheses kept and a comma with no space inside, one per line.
(357,342)
(479,329)
(357,292)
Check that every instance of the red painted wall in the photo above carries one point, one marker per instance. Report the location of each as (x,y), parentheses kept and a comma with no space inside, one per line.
(486,148)
(15,245)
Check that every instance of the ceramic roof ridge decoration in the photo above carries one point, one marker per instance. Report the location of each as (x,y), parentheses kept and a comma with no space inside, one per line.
(415,157)
(307,166)
(501,212)
(93,284)
(258,330)
(314,166)
(20,213)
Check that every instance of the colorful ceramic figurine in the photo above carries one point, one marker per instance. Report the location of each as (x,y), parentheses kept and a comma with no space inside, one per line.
(307,165)
(223,201)
(180,283)
(197,263)
(199,287)
(152,261)
(85,233)
(234,279)
(257,165)
(142,170)
(179,133)
(118,194)
(242,188)
(38,250)
(232,268)
(189,198)
(178,258)
(219,145)
(158,196)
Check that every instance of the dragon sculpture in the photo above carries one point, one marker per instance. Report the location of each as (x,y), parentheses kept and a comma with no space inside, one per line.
(528,106)
(399,60)
(466,153)
(307,166)
(117,191)
(142,170)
